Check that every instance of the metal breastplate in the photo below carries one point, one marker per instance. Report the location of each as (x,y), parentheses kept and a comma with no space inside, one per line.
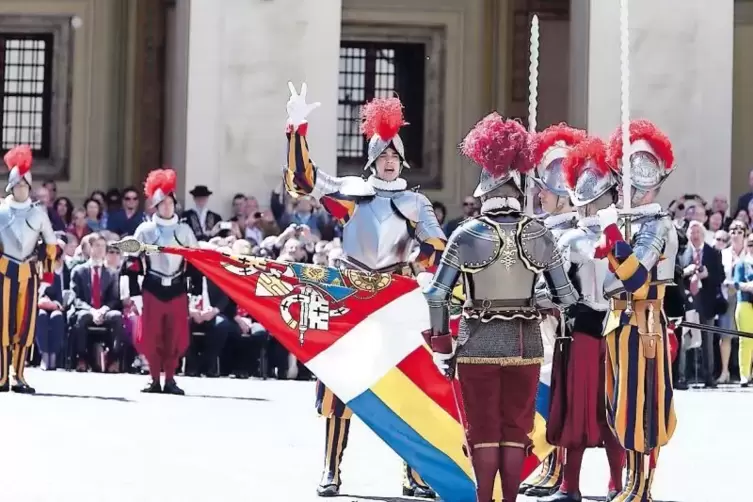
(590,272)
(376,235)
(19,231)
(161,264)
(499,274)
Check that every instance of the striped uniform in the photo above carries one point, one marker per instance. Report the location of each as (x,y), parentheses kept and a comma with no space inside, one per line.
(639,395)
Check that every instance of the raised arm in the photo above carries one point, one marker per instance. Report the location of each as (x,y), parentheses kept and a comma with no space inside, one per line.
(301,176)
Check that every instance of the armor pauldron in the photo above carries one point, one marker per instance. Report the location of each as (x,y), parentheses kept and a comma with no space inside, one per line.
(477,244)
(538,246)
(20,229)
(650,240)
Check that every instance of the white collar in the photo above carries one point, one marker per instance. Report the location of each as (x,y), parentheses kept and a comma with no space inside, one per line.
(163,222)
(500,203)
(391,186)
(646,210)
(17,205)
(553,220)
(589,221)
(93,263)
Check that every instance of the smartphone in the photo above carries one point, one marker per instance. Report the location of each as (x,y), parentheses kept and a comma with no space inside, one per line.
(226,225)
(257,215)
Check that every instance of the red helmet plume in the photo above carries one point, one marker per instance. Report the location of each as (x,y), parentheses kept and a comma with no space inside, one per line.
(498,145)
(560,133)
(160,179)
(646,130)
(382,116)
(592,149)
(19,157)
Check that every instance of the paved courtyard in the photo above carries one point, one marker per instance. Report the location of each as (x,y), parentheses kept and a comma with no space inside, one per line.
(95,438)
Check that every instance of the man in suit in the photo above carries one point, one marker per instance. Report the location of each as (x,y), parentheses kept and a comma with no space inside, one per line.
(51,327)
(201,220)
(96,303)
(214,315)
(703,274)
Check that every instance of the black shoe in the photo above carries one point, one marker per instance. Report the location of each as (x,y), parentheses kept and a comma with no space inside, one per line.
(152,388)
(5,387)
(172,388)
(408,491)
(424,492)
(523,488)
(242,375)
(541,491)
(23,388)
(681,385)
(561,497)
(612,495)
(328,490)
(710,385)
(744,385)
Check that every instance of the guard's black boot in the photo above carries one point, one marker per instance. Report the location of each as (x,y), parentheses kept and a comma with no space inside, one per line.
(336,440)
(4,369)
(561,497)
(172,388)
(153,388)
(21,387)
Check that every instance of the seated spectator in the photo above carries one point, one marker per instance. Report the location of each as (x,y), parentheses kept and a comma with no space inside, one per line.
(125,220)
(79,227)
(96,302)
(212,314)
(201,219)
(114,259)
(50,329)
(82,252)
(71,244)
(64,208)
(94,213)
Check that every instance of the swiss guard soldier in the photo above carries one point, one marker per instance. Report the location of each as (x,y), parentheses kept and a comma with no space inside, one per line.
(577,415)
(22,224)
(501,254)
(385,221)
(163,290)
(639,395)
(549,149)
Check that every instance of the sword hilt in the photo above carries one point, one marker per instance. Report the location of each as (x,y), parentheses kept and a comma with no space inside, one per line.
(627,236)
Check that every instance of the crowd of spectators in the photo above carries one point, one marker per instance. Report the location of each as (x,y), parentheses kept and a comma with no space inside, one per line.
(73,331)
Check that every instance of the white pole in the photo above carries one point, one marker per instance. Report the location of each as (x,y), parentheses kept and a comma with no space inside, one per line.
(533,97)
(625,105)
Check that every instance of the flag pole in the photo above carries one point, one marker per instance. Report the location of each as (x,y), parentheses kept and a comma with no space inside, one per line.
(627,190)
(533,99)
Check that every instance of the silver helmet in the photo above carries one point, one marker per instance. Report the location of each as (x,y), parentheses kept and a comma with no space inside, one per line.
(587,175)
(381,120)
(160,184)
(19,161)
(550,147)
(651,156)
(503,150)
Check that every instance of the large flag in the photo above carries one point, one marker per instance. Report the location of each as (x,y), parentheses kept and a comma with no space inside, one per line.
(360,334)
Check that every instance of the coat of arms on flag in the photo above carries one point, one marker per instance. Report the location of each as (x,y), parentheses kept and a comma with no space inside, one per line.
(360,334)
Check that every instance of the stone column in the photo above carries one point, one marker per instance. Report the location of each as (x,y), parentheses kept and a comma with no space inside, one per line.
(241,54)
(681,55)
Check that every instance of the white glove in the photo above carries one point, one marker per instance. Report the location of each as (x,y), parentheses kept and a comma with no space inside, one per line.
(608,216)
(424,279)
(442,361)
(297,107)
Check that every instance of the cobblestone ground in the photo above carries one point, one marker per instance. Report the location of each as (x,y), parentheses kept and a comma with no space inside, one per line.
(95,438)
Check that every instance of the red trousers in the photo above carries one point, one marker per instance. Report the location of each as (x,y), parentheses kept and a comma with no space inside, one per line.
(500,403)
(163,333)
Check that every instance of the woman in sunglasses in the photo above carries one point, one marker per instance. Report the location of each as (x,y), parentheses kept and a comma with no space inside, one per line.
(731,254)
